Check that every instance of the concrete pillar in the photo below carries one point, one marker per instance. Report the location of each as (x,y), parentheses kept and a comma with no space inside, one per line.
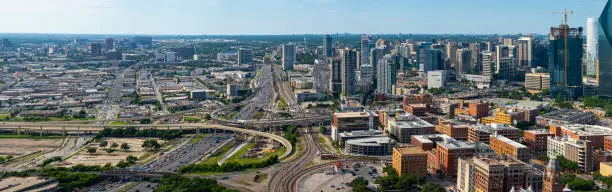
(41,131)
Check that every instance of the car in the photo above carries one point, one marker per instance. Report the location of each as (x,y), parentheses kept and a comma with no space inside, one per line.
(332,186)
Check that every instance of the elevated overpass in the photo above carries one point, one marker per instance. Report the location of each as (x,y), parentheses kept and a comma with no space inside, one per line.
(20,127)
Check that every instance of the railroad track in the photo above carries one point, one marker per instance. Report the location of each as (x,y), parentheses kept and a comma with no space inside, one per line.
(280,179)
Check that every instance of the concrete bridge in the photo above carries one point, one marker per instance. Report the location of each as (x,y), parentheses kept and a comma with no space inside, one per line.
(64,129)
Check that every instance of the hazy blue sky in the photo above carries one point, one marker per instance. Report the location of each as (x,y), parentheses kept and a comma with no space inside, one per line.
(289,16)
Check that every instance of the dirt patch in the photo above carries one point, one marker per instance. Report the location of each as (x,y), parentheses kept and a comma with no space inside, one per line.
(19,147)
(102,157)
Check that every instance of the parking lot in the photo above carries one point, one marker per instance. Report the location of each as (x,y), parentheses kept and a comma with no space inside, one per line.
(330,180)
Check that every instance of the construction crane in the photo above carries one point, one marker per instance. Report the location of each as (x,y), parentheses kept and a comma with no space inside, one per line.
(565,32)
(565,12)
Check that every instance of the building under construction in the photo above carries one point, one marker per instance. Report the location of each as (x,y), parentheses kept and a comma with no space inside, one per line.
(565,65)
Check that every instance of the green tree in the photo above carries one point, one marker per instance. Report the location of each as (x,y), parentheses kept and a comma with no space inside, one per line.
(103,144)
(125,146)
(151,144)
(114,145)
(91,150)
(131,159)
(432,187)
(322,129)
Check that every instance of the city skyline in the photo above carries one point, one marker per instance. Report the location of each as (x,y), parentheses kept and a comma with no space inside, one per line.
(282,17)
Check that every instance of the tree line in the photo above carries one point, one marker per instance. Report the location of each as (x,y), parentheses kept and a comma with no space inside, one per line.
(133,132)
(227,167)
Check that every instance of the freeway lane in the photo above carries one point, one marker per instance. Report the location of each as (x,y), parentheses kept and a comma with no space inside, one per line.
(188,126)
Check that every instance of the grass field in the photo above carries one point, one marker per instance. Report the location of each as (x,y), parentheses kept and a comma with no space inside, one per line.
(198,138)
(214,159)
(117,123)
(237,157)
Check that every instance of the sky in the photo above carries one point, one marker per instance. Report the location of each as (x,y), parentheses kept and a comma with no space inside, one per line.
(273,17)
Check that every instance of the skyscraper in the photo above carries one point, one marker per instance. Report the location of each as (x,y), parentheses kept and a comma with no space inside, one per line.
(96,49)
(592,29)
(328,48)
(366,45)
(386,75)
(348,68)
(605,51)
(288,56)
(476,63)
(565,64)
(486,63)
(505,64)
(464,61)
(525,52)
(433,60)
(244,56)
(109,44)
(365,78)
(451,51)
(335,73)
(321,73)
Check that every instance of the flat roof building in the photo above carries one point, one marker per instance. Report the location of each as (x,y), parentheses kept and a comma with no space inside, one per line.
(504,146)
(536,140)
(353,121)
(369,146)
(447,153)
(457,131)
(496,174)
(577,151)
(565,116)
(481,132)
(406,125)
(427,142)
(593,133)
(409,160)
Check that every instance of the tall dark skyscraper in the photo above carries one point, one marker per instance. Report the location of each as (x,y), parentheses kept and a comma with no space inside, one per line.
(96,49)
(565,66)
(433,60)
(328,48)
(348,68)
(109,44)
(604,67)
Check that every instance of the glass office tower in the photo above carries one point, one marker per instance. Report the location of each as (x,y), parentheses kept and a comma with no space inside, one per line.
(565,66)
(604,65)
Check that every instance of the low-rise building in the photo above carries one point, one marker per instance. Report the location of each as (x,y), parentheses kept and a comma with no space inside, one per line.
(419,109)
(345,136)
(202,94)
(505,116)
(446,155)
(457,131)
(566,116)
(536,140)
(406,125)
(482,132)
(593,133)
(436,79)
(504,146)
(428,142)
(409,160)
(352,121)
(370,146)
(477,109)
(536,82)
(578,151)
(417,99)
(496,174)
